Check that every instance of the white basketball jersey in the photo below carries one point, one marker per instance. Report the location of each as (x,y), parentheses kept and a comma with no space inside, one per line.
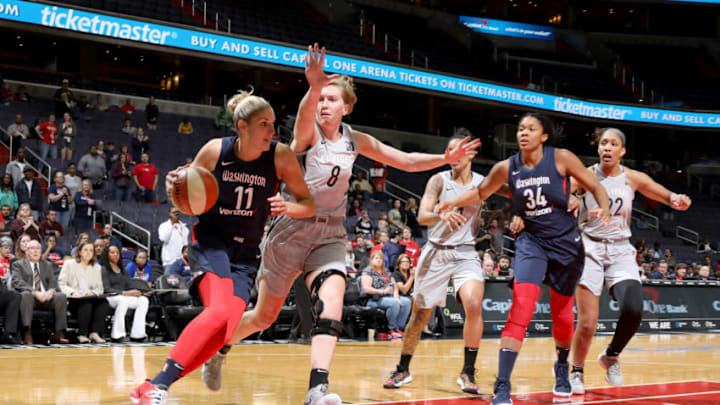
(621,199)
(440,233)
(327,167)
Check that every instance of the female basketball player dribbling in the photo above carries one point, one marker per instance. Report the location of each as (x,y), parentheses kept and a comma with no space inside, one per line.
(549,249)
(248,168)
(314,248)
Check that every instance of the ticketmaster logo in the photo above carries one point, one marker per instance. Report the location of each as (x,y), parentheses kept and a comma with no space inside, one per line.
(69,20)
(567,105)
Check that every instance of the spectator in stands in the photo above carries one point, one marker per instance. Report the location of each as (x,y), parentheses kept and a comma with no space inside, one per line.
(411,211)
(124,151)
(667,256)
(411,247)
(705,246)
(224,119)
(83,237)
(64,99)
(25,224)
(108,236)
(7,221)
(92,166)
(396,216)
(404,275)
(174,234)
(20,247)
(360,180)
(52,253)
(121,174)
(364,224)
(497,237)
(18,133)
(22,95)
(707,261)
(181,267)
(8,196)
(657,252)
(681,272)
(357,194)
(354,209)
(361,251)
(6,95)
(84,206)
(140,142)
(17,166)
(379,196)
(645,271)
(504,266)
(122,296)
(100,146)
(483,237)
(68,132)
(48,133)
(704,273)
(33,278)
(128,128)
(9,298)
(81,281)
(377,284)
(50,226)
(392,248)
(185,126)
(29,191)
(99,104)
(140,267)
(72,181)
(350,259)
(382,223)
(59,198)
(99,246)
(145,176)
(661,272)
(128,108)
(82,111)
(152,113)
(488,266)
(381,239)
(111,154)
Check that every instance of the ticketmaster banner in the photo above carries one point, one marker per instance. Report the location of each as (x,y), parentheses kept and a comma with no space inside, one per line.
(508,28)
(165,35)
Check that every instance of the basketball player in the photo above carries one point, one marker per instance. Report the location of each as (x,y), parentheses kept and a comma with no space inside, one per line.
(315,247)
(548,250)
(248,168)
(609,256)
(449,255)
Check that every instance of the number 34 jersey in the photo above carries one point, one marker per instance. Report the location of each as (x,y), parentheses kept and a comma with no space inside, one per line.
(327,167)
(621,199)
(540,196)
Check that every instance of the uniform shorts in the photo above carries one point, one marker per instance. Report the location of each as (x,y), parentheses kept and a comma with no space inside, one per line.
(437,267)
(237,264)
(557,262)
(295,247)
(608,263)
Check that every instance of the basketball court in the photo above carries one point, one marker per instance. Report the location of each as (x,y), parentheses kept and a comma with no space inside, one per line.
(659,369)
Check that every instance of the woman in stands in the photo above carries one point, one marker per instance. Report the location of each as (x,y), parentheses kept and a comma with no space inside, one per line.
(248,167)
(377,284)
(21,247)
(315,247)
(122,296)
(140,267)
(609,256)
(548,250)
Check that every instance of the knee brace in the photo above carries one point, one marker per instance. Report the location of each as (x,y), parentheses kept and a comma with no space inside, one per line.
(521,311)
(323,326)
(563,318)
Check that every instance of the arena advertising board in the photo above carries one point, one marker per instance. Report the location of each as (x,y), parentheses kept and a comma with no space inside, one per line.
(165,35)
(508,28)
(665,308)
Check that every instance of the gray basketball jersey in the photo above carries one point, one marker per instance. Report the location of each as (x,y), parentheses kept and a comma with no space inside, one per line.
(327,167)
(621,199)
(440,233)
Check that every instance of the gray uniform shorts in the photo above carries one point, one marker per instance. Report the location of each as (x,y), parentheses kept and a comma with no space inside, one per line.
(608,263)
(437,267)
(295,247)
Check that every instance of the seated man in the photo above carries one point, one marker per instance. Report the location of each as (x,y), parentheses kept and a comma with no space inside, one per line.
(107,234)
(9,299)
(50,226)
(38,288)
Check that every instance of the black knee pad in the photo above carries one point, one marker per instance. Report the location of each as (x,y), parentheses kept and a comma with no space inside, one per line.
(317,304)
(324,326)
(628,294)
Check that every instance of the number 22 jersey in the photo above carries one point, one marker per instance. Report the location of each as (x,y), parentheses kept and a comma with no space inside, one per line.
(540,196)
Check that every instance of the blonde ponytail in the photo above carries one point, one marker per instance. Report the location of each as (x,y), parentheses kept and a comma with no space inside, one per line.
(244,104)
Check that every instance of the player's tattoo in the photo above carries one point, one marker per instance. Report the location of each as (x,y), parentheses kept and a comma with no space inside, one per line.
(418,319)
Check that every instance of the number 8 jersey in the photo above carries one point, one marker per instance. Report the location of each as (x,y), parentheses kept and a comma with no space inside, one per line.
(621,199)
(327,167)
(540,196)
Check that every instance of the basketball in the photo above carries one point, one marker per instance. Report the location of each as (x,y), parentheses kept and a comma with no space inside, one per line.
(195,191)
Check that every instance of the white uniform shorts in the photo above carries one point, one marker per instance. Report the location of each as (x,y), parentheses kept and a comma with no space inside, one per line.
(608,262)
(295,247)
(438,266)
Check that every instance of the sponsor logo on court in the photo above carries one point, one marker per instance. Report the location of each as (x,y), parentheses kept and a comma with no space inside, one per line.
(716,305)
(503,307)
(541,327)
(655,308)
(664,325)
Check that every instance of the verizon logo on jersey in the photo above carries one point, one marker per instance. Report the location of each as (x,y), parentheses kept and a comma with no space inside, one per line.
(241,213)
(251,179)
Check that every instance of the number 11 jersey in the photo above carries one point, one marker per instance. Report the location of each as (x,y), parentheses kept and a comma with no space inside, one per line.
(327,167)
(540,196)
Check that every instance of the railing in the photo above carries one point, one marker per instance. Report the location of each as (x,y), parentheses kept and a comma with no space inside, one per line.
(195,6)
(391,44)
(505,246)
(114,216)
(646,217)
(688,235)
(417,58)
(37,170)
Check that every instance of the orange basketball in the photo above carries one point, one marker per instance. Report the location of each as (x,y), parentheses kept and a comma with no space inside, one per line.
(195,190)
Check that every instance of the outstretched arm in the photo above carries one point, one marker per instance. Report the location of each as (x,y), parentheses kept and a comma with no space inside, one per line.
(372,148)
(289,171)
(655,191)
(569,163)
(492,183)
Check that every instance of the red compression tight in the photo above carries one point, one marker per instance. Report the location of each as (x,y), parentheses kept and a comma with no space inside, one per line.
(563,319)
(521,312)
(213,328)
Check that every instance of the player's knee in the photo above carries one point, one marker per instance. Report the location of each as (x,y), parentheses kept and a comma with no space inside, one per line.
(473,308)
(587,326)
(521,310)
